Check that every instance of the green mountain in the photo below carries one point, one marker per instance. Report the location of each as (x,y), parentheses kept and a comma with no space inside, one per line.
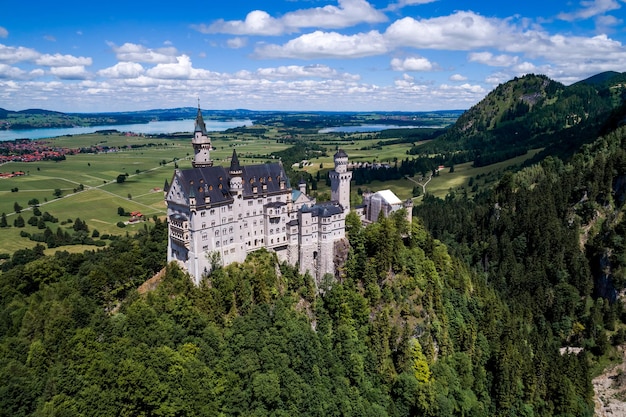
(532,112)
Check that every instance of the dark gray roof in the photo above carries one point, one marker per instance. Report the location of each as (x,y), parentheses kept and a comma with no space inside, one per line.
(341,154)
(214,182)
(326,209)
(257,175)
(234,163)
(200,126)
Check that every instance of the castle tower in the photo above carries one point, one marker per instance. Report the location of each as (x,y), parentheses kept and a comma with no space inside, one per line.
(201,143)
(302,186)
(340,180)
(235,172)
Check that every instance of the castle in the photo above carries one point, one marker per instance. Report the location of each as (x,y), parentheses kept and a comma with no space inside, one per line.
(222,214)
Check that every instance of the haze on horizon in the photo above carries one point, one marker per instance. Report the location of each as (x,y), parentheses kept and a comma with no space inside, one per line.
(306,55)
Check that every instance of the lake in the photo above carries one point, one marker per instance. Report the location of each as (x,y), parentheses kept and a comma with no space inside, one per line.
(370,128)
(151,128)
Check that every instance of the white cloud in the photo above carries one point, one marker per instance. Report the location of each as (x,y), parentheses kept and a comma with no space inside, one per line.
(9,72)
(416,63)
(76,72)
(299,71)
(11,55)
(458,77)
(259,22)
(3,32)
(403,3)
(132,52)
(122,70)
(58,60)
(50,38)
(181,70)
(237,42)
(590,9)
(326,45)
(487,58)
(349,13)
(459,31)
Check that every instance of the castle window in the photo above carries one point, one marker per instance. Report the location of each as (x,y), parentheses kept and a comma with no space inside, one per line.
(221,178)
(217,232)
(204,225)
(202,213)
(213,211)
(219,186)
(201,180)
(250,202)
(210,187)
(217,244)
(269,179)
(191,182)
(255,189)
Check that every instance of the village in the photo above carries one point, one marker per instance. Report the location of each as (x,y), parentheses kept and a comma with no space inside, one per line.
(26,150)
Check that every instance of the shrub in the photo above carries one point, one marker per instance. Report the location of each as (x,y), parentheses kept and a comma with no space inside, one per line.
(121,224)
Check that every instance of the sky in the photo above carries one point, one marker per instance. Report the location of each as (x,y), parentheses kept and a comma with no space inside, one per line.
(300,55)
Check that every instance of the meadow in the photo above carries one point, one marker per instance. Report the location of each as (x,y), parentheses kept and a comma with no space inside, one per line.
(88,187)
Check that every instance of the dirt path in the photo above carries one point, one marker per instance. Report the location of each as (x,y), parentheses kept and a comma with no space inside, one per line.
(610,389)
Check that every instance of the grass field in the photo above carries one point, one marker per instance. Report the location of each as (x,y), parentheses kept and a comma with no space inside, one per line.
(148,167)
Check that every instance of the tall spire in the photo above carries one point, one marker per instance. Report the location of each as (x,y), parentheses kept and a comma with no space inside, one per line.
(200,125)
(201,143)
(235,168)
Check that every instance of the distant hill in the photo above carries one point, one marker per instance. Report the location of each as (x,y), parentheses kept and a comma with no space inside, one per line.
(533,112)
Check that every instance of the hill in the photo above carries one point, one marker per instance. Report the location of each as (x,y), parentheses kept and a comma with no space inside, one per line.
(532,112)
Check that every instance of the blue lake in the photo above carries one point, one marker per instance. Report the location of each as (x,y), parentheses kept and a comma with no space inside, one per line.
(151,128)
(369,128)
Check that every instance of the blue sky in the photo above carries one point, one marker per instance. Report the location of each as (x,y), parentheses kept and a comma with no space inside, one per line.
(344,55)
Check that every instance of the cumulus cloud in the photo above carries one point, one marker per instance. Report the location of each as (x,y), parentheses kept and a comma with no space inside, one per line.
(590,9)
(326,45)
(416,63)
(181,70)
(237,42)
(131,52)
(58,60)
(12,55)
(458,31)
(258,22)
(349,13)
(9,72)
(404,3)
(308,71)
(487,58)
(458,77)
(122,70)
(76,72)
(3,32)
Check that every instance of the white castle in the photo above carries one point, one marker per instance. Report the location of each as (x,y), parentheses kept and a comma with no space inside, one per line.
(230,212)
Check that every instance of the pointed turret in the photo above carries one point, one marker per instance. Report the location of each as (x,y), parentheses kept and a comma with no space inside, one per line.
(201,143)
(235,168)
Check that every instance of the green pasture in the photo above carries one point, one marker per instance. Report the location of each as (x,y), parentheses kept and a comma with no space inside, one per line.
(148,168)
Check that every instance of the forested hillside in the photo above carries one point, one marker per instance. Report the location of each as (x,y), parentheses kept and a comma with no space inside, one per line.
(408,330)
(528,113)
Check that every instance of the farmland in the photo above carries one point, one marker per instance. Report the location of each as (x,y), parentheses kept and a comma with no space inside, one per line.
(85,185)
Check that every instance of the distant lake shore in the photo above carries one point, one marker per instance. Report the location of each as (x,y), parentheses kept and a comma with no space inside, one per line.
(150,128)
(371,128)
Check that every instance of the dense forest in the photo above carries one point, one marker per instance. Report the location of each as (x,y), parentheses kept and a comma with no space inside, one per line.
(407,330)
(462,312)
